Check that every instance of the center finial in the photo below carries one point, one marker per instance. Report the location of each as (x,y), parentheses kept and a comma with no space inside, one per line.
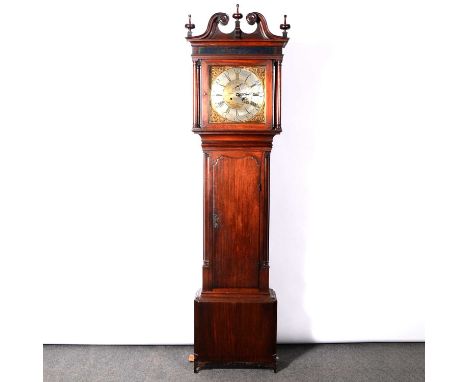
(237,15)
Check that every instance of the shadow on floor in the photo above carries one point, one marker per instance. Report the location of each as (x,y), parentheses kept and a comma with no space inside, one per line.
(290,353)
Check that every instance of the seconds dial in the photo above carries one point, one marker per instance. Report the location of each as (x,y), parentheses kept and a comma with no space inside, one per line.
(237,94)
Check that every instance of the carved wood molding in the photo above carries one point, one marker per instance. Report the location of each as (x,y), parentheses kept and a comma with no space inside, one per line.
(212,29)
(229,157)
(212,32)
(213,141)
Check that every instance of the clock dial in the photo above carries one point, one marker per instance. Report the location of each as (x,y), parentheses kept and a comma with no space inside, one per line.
(237,94)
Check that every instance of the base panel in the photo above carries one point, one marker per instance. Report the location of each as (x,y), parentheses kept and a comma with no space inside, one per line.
(235,331)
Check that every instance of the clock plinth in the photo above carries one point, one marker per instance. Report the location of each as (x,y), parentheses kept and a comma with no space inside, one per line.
(237,113)
(235,330)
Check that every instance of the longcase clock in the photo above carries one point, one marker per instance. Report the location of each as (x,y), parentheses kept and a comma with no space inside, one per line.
(236,112)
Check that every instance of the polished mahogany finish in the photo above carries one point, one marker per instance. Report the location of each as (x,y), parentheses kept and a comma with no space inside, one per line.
(235,331)
(235,311)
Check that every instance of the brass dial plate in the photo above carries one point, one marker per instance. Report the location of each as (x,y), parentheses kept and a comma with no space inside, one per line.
(237,94)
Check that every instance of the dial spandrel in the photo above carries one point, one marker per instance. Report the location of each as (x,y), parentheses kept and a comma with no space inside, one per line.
(237,94)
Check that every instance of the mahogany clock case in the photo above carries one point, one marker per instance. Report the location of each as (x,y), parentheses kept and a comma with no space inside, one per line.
(235,310)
